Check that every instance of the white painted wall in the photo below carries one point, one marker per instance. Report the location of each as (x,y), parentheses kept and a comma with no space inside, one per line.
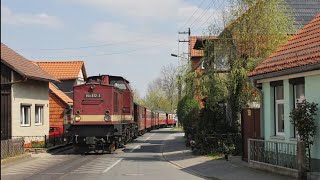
(80,79)
(30,92)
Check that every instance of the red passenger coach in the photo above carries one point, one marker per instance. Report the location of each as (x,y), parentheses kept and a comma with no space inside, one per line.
(170,119)
(103,114)
(148,119)
(162,119)
(140,118)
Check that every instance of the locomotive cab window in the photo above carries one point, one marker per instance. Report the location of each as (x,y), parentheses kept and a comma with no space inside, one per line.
(97,79)
(118,83)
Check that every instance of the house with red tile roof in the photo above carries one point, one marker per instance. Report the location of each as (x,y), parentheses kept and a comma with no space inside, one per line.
(70,73)
(287,77)
(197,54)
(24,96)
(197,60)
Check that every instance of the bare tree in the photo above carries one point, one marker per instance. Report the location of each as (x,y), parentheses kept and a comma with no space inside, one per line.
(169,82)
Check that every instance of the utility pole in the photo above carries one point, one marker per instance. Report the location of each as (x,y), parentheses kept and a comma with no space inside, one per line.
(188,41)
(179,76)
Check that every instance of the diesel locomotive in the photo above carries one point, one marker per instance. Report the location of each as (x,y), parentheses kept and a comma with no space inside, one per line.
(105,116)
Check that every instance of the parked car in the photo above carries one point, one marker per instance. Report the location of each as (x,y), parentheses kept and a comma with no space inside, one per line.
(56,131)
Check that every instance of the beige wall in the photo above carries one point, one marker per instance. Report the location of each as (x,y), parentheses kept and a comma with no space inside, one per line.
(30,92)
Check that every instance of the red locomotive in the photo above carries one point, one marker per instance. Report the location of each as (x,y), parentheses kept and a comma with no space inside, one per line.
(105,116)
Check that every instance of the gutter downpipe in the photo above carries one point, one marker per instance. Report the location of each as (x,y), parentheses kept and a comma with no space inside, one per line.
(253,83)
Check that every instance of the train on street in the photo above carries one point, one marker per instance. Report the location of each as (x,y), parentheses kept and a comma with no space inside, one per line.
(106,117)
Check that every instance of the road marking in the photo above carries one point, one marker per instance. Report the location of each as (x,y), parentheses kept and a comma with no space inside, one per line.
(134,148)
(149,137)
(106,170)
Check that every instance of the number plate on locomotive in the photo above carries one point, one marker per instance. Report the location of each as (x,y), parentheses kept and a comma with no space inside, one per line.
(92,95)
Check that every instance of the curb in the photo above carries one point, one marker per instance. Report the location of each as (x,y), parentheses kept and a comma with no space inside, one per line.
(53,150)
(15,158)
(182,167)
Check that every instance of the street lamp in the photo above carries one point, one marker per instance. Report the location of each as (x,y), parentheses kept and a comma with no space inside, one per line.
(179,76)
(174,55)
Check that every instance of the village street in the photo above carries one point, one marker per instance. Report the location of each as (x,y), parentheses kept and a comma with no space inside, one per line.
(160,154)
(141,159)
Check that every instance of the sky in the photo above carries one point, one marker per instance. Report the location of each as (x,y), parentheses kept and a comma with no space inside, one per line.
(129,38)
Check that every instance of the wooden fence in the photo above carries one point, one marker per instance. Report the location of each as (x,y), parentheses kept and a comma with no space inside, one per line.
(12,147)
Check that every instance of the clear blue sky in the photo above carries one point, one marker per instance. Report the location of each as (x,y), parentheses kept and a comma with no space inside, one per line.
(130,38)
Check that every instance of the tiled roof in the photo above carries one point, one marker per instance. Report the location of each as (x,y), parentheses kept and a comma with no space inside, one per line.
(64,70)
(303,49)
(303,11)
(66,99)
(23,66)
(193,40)
(194,52)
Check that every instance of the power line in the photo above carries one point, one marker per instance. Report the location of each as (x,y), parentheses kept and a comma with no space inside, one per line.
(95,55)
(91,46)
(214,11)
(208,7)
(192,15)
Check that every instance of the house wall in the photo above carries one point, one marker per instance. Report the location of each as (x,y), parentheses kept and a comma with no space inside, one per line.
(30,92)
(312,87)
(313,95)
(80,79)
(57,108)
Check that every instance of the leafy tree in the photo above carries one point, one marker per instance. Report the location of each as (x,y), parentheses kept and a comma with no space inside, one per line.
(188,110)
(254,30)
(303,119)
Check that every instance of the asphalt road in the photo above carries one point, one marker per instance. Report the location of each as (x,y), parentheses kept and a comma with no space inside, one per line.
(141,159)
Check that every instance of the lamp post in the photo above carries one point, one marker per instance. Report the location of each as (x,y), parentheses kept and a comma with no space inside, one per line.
(179,76)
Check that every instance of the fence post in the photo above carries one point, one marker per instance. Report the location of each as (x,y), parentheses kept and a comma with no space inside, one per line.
(45,141)
(249,150)
(301,158)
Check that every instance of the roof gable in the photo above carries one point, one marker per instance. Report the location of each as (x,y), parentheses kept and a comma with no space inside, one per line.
(62,96)
(23,66)
(64,70)
(302,49)
(196,52)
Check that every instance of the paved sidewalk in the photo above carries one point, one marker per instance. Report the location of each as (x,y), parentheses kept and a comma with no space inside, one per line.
(178,154)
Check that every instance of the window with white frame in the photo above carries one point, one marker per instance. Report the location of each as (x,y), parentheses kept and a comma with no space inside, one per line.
(299,96)
(38,114)
(279,110)
(25,115)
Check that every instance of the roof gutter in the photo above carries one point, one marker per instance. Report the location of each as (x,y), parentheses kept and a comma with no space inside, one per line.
(299,69)
(15,82)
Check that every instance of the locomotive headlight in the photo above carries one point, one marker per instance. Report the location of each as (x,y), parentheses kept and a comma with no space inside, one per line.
(77,118)
(107,117)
